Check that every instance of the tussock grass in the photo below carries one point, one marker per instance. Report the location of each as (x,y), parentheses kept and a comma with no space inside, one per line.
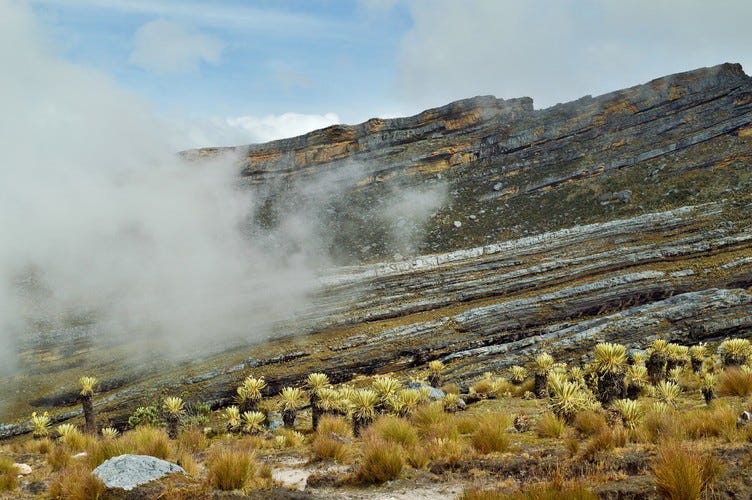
(382,461)
(602,441)
(231,469)
(147,440)
(333,440)
(448,451)
(193,439)
(395,430)
(550,426)
(589,422)
(717,421)
(432,421)
(58,458)
(682,472)
(491,434)
(734,382)
(657,425)
(8,473)
(75,483)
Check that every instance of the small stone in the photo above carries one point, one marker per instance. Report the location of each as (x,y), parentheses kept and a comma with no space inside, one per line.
(457,223)
(472,217)
(22,469)
(498,186)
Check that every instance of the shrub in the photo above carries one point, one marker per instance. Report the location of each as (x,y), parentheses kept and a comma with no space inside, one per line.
(8,475)
(550,426)
(145,415)
(491,434)
(735,382)
(395,430)
(382,461)
(75,483)
(683,473)
(231,469)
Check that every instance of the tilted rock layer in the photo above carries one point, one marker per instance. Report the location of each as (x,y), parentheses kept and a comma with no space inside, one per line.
(616,218)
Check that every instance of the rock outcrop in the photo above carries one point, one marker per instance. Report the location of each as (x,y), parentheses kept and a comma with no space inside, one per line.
(127,472)
(621,218)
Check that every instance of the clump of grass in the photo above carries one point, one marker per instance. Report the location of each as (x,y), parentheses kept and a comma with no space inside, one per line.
(450,451)
(193,440)
(8,475)
(735,382)
(395,430)
(75,483)
(660,422)
(71,437)
(600,442)
(682,472)
(718,421)
(146,440)
(491,434)
(231,469)
(589,422)
(99,451)
(333,439)
(382,461)
(58,458)
(550,426)
(432,421)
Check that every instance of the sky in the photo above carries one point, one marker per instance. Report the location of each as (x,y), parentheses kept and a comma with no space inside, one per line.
(226,72)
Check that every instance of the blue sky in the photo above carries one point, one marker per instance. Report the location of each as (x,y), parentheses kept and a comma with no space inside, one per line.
(244,71)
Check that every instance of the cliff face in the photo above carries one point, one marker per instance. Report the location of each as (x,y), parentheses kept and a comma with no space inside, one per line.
(619,218)
(511,170)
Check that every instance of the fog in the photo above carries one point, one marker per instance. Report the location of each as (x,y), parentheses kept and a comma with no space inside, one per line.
(100,220)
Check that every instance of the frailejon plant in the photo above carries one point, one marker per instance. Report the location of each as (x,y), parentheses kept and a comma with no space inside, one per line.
(291,399)
(386,388)
(708,387)
(667,392)
(87,394)
(232,418)
(40,425)
(316,382)
(249,393)
(630,411)
(517,374)
(109,433)
(566,398)
(697,354)
(174,409)
(676,356)
(610,362)
(735,352)
(637,380)
(543,364)
(253,422)
(363,408)
(656,362)
(435,369)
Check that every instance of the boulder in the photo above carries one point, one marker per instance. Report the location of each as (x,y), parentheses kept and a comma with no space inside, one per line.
(129,471)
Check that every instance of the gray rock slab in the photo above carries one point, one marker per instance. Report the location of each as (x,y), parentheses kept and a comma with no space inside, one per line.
(130,471)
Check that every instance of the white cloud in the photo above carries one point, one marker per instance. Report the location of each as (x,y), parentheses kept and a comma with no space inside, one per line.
(242,130)
(164,47)
(555,51)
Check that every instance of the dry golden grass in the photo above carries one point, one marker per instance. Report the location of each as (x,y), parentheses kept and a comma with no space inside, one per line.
(186,460)
(58,458)
(8,475)
(394,430)
(431,421)
(589,422)
(333,440)
(417,456)
(193,439)
(600,442)
(75,483)
(657,425)
(448,451)
(147,440)
(682,473)
(231,469)
(716,421)
(99,451)
(734,382)
(382,461)
(40,446)
(550,426)
(491,434)
(551,490)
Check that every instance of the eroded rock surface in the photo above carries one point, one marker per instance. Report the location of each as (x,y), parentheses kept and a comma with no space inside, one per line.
(130,471)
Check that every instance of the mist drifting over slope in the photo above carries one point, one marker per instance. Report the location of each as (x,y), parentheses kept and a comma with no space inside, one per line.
(102,221)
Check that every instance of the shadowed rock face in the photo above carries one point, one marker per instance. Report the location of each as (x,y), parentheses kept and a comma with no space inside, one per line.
(615,218)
